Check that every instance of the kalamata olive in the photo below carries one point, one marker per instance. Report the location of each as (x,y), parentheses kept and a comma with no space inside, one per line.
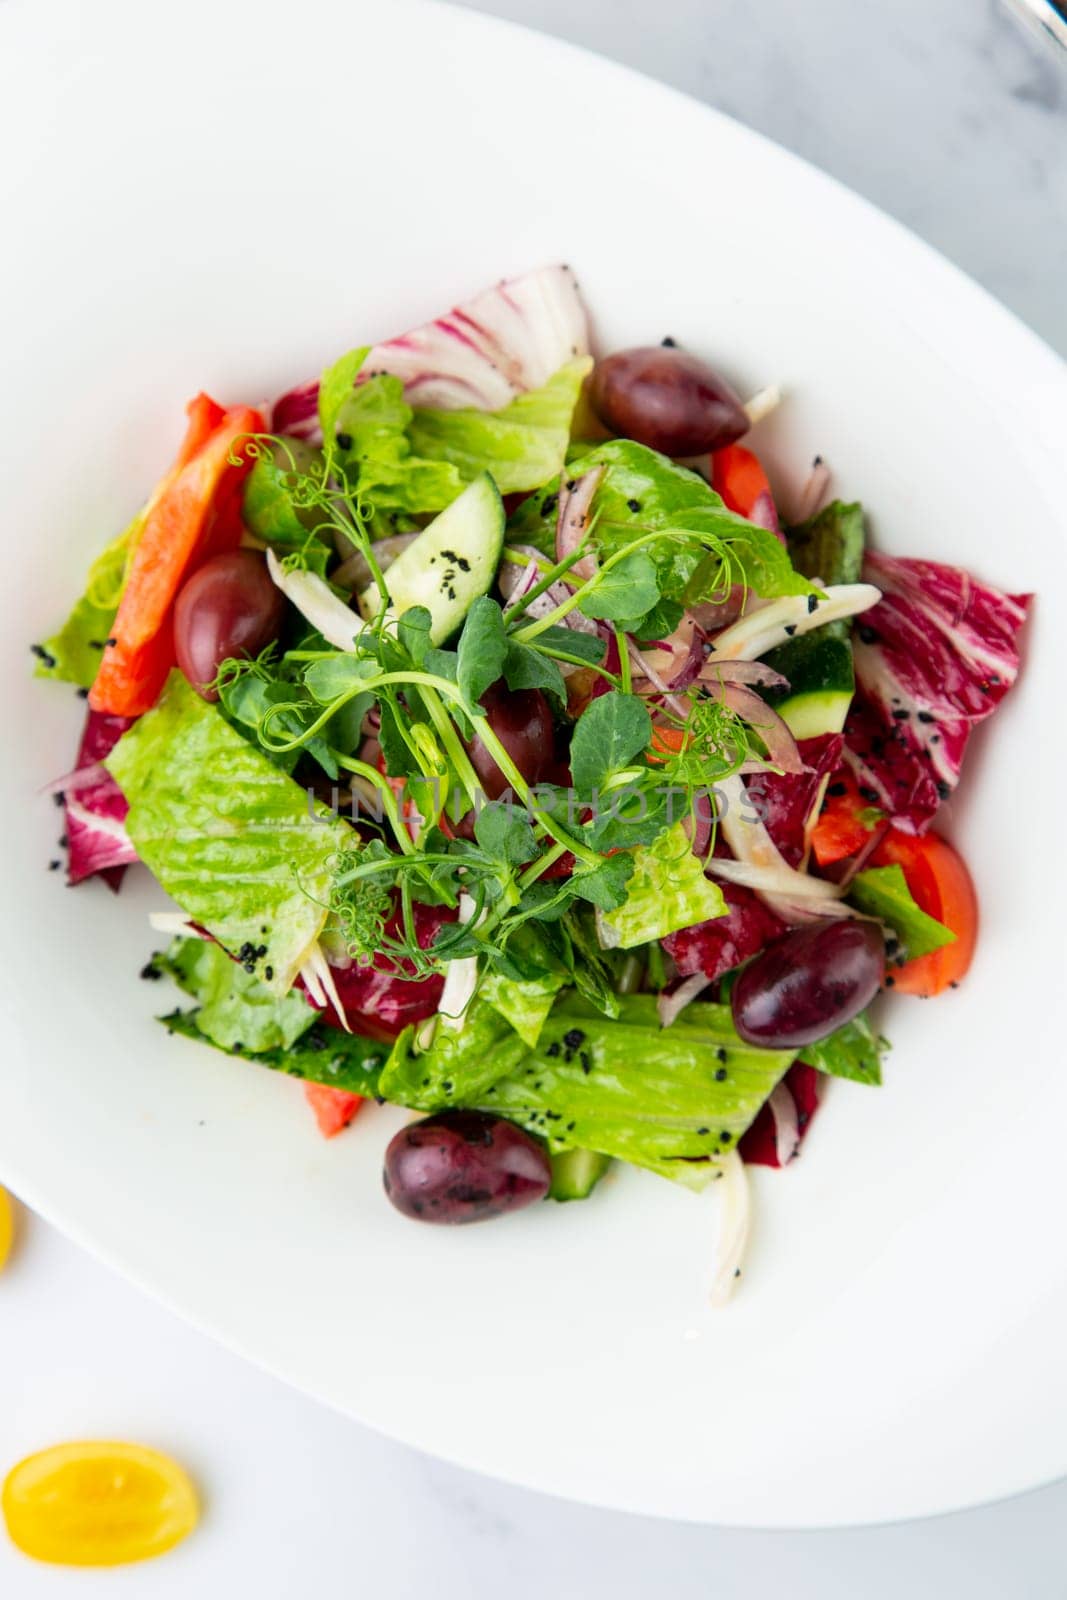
(807,983)
(667,399)
(522,721)
(229,607)
(464,1166)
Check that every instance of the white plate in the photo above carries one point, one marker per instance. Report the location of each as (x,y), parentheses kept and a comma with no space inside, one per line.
(228,199)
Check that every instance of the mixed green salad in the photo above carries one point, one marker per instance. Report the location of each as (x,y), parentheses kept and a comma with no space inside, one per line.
(510,755)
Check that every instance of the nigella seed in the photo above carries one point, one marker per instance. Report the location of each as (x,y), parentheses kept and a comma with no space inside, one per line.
(790,628)
(45,657)
(720,1075)
(574,1038)
(344,441)
(901,714)
(703,1131)
(837,790)
(668,343)
(548,504)
(553,1049)
(813,603)
(926,716)
(268,973)
(867,633)
(634,505)
(943,789)
(54,866)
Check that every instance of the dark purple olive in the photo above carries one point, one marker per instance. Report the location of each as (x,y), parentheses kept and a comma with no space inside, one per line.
(464,1166)
(522,721)
(229,607)
(667,399)
(809,982)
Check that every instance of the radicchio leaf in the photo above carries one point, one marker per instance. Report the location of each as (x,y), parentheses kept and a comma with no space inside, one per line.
(934,657)
(505,341)
(95,811)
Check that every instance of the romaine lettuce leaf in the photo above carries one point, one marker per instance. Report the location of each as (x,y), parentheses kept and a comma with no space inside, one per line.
(322,1055)
(883,893)
(668,891)
(415,461)
(237,843)
(674,1099)
(524,1003)
(460,1065)
(233,1007)
(74,653)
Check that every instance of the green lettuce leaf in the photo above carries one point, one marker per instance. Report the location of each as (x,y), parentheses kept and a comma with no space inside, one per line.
(643,492)
(673,1099)
(828,548)
(854,1051)
(460,1064)
(883,893)
(522,445)
(271,511)
(73,654)
(525,1004)
(419,461)
(668,891)
(232,838)
(322,1055)
(233,1007)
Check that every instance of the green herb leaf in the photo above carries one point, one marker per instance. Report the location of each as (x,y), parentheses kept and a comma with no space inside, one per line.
(527,668)
(588,647)
(609,734)
(413,631)
(627,590)
(338,675)
(605,886)
(505,833)
(483,646)
(883,893)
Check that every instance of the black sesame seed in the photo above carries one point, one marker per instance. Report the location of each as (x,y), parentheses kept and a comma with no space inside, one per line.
(790,628)
(344,440)
(54,866)
(720,1074)
(925,716)
(813,602)
(59,798)
(943,789)
(268,973)
(548,504)
(901,714)
(668,343)
(837,789)
(634,505)
(44,656)
(83,694)
(889,980)
(867,633)
(574,1038)
(553,1049)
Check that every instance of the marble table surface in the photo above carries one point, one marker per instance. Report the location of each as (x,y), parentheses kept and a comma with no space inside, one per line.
(942,112)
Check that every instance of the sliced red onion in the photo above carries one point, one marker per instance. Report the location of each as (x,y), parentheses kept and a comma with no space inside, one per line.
(612,664)
(691,668)
(643,666)
(670,1006)
(764,513)
(781,745)
(698,824)
(714,615)
(573,520)
(783,1109)
(79,778)
(757,672)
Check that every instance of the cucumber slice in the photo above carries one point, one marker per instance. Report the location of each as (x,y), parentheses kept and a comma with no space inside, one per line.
(576,1173)
(452,562)
(821,683)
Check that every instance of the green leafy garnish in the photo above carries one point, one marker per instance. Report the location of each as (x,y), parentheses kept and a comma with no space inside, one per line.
(322,1055)
(854,1051)
(233,1007)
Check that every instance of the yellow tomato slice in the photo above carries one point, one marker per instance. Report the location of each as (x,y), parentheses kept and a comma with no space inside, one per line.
(7,1226)
(97,1503)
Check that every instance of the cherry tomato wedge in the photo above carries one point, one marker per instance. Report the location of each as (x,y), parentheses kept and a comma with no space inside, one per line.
(845,823)
(941,886)
(98,1503)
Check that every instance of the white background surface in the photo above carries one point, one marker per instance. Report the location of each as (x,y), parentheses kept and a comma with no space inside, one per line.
(941,113)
